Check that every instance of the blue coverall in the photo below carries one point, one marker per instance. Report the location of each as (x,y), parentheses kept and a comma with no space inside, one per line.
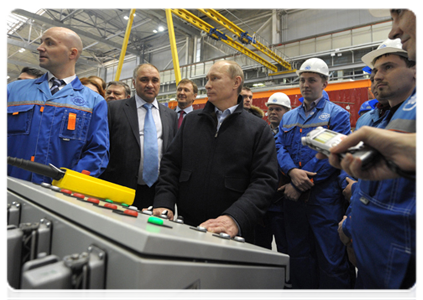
(383,221)
(317,256)
(68,129)
(373,119)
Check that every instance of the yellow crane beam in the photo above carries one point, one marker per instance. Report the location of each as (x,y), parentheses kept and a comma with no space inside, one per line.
(217,17)
(173,48)
(216,34)
(125,44)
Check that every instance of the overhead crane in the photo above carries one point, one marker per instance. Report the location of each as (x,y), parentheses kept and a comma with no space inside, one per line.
(243,36)
(218,35)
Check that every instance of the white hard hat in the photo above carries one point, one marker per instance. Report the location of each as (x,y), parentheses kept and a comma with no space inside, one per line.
(388,46)
(279,99)
(379,13)
(315,65)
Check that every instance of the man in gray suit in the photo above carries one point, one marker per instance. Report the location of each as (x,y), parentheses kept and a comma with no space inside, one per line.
(135,155)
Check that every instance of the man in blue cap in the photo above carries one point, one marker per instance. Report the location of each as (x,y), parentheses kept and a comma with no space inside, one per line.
(367,106)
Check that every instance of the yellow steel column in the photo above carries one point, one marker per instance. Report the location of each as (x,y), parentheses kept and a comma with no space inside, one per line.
(125,44)
(173,48)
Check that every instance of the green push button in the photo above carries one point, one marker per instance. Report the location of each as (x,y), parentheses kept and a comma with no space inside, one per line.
(155,220)
(108,200)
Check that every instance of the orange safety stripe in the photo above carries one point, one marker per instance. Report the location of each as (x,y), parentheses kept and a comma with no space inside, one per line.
(53,105)
(71,121)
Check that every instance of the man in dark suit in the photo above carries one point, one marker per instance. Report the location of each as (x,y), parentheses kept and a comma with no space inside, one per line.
(221,169)
(134,154)
(186,92)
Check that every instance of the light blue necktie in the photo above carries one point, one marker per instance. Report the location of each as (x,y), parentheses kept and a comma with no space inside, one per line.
(151,149)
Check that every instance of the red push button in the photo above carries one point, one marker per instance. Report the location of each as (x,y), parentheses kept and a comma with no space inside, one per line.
(78,195)
(86,172)
(111,206)
(131,212)
(93,200)
(64,191)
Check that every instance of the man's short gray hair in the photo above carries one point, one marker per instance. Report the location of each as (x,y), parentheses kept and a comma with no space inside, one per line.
(235,70)
(120,83)
(134,75)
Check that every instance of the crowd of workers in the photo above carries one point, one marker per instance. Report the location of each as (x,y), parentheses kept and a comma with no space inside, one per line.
(226,169)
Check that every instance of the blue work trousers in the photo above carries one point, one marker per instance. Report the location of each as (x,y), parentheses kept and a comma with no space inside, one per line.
(318,259)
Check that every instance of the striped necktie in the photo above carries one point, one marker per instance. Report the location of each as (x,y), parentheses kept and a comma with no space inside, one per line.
(56,84)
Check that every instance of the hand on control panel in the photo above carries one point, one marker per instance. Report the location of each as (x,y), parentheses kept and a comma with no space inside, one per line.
(158,212)
(221,224)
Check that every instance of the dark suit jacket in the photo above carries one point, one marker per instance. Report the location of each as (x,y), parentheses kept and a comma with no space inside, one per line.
(231,172)
(125,153)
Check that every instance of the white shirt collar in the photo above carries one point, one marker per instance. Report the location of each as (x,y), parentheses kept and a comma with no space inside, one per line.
(67,79)
(186,110)
(140,102)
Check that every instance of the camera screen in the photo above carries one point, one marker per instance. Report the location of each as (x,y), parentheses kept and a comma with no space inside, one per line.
(324,137)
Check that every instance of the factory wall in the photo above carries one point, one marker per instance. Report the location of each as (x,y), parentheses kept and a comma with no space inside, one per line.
(314,22)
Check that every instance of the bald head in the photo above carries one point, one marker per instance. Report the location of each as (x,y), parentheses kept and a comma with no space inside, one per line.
(59,50)
(69,37)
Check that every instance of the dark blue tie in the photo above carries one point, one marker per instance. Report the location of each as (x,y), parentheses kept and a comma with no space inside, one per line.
(151,148)
(56,84)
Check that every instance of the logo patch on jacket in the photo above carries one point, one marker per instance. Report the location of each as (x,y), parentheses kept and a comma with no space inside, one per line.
(410,104)
(78,101)
(324,116)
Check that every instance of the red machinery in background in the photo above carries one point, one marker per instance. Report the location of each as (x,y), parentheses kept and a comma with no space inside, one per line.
(347,94)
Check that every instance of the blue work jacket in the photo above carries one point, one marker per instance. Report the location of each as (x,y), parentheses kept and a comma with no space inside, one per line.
(292,154)
(370,118)
(68,129)
(383,222)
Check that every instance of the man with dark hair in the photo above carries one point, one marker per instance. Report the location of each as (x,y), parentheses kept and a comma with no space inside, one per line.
(391,202)
(247,95)
(405,26)
(186,92)
(221,169)
(54,118)
(117,90)
(141,130)
(30,73)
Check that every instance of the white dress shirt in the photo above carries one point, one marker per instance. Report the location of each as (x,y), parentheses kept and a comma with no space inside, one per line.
(67,80)
(141,112)
(186,110)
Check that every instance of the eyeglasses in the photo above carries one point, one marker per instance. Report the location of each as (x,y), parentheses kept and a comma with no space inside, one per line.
(278,109)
